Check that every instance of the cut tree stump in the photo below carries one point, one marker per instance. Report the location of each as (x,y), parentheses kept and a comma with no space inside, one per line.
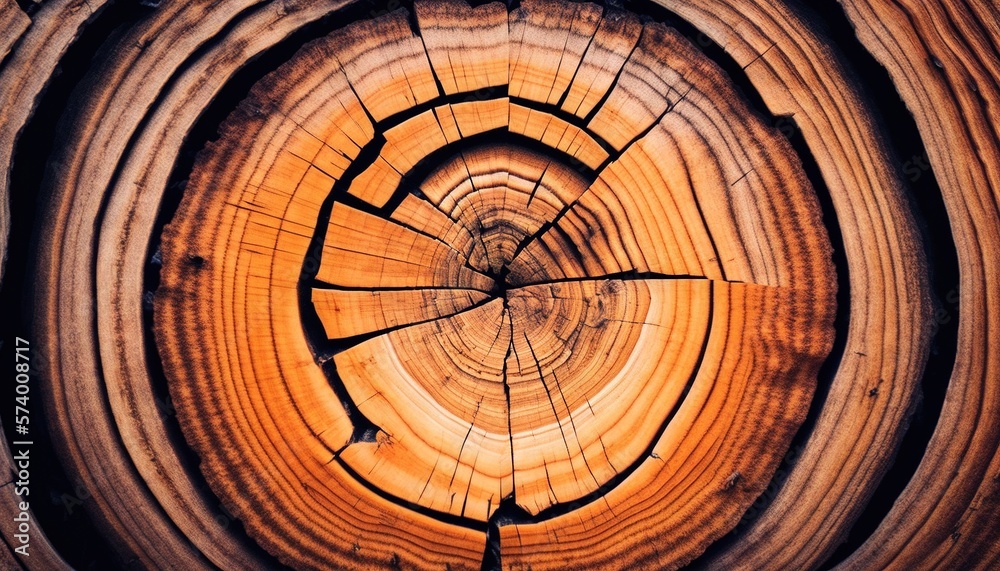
(537,285)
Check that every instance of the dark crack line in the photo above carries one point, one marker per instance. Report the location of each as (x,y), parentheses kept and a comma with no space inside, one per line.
(545,227)
(506,394)
(430,475)
(538,183)
(562,98)
(552,403)
(458,459)
(322,285)
(569,412)
(646,131)
(332,347)
(438,515)
(628,275)
(604,448)
(468,486)
(614,84)
(548,478)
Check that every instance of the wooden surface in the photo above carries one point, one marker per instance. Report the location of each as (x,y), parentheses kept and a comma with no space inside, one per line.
(539,286)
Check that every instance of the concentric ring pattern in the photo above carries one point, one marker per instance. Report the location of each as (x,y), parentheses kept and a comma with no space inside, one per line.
(561,316)
(536,285)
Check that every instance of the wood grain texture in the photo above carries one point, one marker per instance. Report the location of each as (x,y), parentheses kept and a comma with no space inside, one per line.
(555,385)
(13,22)
(538,285)
(24,75)
(943,60)
(137,415)
(839,455)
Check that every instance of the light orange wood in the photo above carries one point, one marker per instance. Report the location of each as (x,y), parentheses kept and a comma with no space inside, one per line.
(613,41)
(346,313)
(467,46)
(363,250)
(547,41)
(385,63)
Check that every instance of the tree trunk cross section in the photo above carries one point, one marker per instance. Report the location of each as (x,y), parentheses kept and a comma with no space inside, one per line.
(573,308)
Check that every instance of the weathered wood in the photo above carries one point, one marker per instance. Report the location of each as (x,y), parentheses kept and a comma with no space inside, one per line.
(24,75)
(540,286)
(947,515)
(841,463)
(13,22)
(128,503)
